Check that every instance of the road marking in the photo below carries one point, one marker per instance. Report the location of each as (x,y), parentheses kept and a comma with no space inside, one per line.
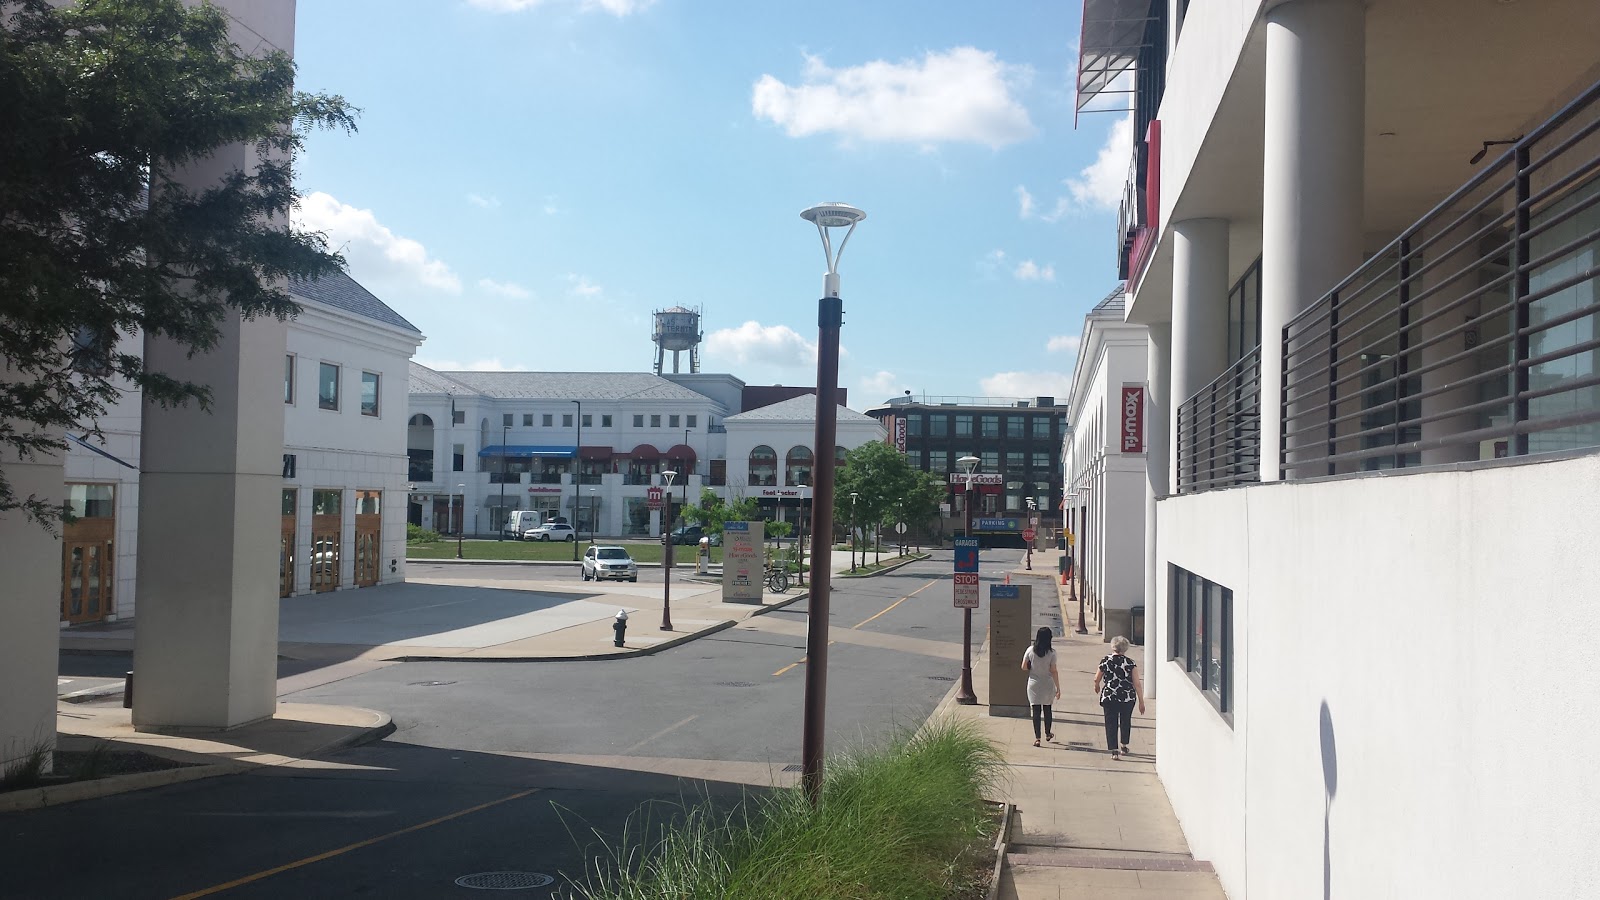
(267,873)
(793,664)
(662,733)
(898,602)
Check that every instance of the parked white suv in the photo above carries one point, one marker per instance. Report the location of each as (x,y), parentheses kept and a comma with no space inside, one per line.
(609,562)
(550,531)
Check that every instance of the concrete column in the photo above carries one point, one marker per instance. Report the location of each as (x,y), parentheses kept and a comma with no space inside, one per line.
(1312,178)
(1199,340)
(206,644)
(1158,449)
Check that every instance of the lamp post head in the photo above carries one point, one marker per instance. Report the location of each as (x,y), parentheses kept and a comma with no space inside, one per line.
(968,464)
(667,475)
(833,215)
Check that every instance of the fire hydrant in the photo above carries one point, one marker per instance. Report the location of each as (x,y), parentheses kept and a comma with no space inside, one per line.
(620,628)
(702,563)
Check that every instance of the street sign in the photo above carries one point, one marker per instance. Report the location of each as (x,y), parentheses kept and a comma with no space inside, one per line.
(966,554)
(966,590)
(1005,591)
(1034,521)
(1028,534)
(652,497)
(900,527)
(1071,539)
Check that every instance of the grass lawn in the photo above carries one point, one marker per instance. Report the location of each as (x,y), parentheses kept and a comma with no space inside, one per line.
(550,551)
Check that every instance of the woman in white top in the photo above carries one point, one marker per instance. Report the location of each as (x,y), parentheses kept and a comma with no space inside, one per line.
(1044,683)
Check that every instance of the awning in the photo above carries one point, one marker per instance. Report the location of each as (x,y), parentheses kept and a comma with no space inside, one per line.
(1109,42)
(527,451)
(595,452)
(681,451)
(645,451)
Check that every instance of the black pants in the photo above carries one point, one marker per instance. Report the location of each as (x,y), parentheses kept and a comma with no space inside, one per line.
(1118,713)
(1042,714)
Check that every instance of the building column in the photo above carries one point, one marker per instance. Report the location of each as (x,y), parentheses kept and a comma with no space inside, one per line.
(1158,448)
(1199,339)
(206,645)
(1312,179)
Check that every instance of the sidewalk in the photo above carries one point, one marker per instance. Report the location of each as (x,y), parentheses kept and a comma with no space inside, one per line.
(1086,826)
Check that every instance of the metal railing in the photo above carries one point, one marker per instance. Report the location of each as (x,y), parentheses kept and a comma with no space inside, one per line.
(1219,430)
(1474,334)
(505,477)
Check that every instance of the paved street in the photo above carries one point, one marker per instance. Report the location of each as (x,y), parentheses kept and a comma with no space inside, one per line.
(507,766)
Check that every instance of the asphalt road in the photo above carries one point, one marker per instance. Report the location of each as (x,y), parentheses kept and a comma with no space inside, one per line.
(456,790)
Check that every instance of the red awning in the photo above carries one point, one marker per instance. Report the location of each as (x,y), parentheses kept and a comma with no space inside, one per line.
(595,452)
(645,451)
(681,451)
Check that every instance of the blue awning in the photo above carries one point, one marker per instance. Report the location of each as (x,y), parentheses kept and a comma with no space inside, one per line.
(528,451)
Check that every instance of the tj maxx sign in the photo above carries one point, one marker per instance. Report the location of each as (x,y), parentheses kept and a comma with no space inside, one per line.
(1130,418)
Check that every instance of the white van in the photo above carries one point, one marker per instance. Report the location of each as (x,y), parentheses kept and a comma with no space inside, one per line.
(520,522)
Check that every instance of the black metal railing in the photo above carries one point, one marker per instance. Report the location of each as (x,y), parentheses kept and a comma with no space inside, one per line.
(1474,334)
(505,477)
(1219,430)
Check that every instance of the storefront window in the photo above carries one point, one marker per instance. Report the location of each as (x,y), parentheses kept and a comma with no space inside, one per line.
(368,502)
(91,501)
(326,502)
(763,467)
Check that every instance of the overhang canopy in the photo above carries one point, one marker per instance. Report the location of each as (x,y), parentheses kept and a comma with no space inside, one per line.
(681,451)
(645,451)
(527,451)
(1109,41)
(595,452)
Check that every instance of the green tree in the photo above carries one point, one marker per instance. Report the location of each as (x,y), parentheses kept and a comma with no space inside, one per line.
(103,102)
(921,502)
(712,511)
(881,478)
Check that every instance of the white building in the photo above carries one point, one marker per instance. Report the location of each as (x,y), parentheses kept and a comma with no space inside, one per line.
(1364,237)
(482,444)
(1103,457)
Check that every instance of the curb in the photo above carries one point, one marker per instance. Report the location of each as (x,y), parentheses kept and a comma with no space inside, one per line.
(886,569)
(1000,848)
(588,657)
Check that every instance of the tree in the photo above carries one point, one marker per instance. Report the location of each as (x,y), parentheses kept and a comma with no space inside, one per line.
(921,502)
(713,510)
(105,103)
(882,479)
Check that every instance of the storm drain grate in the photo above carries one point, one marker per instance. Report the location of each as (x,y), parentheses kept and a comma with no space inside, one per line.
(505,881)
(430,683)
(794,767)
(736,684)
(941,677)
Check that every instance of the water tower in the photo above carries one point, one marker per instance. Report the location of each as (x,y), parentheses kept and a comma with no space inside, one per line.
(677,329)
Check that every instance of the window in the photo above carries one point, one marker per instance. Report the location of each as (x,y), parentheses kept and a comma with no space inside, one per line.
(991,426)
(991,461)
(588,421)
(939,426)
(655,421)
(605,421)
(458,457)
(672,421)
(290,496)
(326,502)
(1041,428)
(918,459)
(458,417)
(527,420)
(763,467)
(1014,460)
(1041,460)
(691,422)
(797,466)
(91,501)
(1014,426)
(369,393)
(913,426)
(549,420)
(369,503)
(328,386)
(1201,618)
(566,420)
(638,421)
(963,426)
(939,462)
(288,378)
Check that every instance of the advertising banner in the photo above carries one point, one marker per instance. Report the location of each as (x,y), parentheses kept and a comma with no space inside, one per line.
(743,564)
(1131,418)
(900,433)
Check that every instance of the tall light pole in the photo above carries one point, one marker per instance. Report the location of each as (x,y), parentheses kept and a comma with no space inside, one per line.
(853,497)
(967,696)
(801,542)
(830,317)
(1031,508)
(577,464)
(594,518)
(505,459)
(461,523)
(666,554)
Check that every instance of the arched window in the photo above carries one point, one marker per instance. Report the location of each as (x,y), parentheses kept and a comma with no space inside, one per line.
(763,467)
(419,448)
(797,466)
(838,455)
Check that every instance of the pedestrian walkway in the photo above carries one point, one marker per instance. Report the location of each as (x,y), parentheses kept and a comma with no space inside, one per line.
(1085,826)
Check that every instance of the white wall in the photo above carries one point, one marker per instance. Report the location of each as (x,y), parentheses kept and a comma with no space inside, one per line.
(1448,620)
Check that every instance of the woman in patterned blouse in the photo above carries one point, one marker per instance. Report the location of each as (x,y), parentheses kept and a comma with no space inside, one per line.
(1119,686)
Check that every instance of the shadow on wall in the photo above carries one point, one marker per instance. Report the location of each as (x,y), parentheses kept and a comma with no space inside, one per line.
(1330,786)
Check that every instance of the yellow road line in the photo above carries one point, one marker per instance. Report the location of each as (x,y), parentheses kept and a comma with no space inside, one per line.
(267,873)
(793,664)
(898,602)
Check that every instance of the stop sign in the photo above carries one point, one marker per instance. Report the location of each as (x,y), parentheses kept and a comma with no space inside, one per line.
(1028,534)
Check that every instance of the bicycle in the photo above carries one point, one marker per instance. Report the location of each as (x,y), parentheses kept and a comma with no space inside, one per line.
(777,579)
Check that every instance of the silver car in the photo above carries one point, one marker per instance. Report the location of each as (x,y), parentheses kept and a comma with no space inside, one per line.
(609,562)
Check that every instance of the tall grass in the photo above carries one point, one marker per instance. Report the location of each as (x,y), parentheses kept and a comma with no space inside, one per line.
(901,822)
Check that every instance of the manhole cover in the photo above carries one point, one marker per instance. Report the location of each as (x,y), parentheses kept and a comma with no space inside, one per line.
(505,881)
(736,683)
(941,678)
(430,683)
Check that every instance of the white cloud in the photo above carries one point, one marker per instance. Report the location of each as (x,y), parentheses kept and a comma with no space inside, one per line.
(963,94)
(879,384)
(752,342)
(373,250)
(583,287)
(1028,270)
(1063,343)
(618,8)
(508,289)
(1024,203)
(550,207)
(491,364)
(1099,184)
(482,202)
(1026,384)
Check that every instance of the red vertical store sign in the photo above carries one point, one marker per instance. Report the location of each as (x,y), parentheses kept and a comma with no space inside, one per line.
(1132,418)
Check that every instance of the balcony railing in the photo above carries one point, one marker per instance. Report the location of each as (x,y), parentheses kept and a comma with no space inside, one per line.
(1475,334)
(505,477)
(1219,430)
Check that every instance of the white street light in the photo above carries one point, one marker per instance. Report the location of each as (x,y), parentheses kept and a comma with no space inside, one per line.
(666,553)
(966,695)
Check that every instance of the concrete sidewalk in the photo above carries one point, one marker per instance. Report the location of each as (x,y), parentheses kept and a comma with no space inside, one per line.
(1086,826)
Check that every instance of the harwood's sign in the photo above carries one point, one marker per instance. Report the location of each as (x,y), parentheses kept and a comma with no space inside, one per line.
(978,478)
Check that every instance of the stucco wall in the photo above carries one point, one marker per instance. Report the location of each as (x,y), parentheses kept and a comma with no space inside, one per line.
(1447,620)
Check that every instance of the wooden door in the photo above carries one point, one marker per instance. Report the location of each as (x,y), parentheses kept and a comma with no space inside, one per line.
(86,569)
(286,543)
(367,550)
(325,552)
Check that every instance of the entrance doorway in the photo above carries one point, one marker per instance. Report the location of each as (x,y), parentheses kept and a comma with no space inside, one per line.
(86,554)
(368,529)
(326,521)
(286,543)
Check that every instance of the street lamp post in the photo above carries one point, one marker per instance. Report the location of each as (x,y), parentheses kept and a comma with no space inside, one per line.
(1031,507)
(830,317)
(594,518)
(505,459)
(461,523)
(853,498)
(577,465)
(801,540)
(666,554)
(967,696)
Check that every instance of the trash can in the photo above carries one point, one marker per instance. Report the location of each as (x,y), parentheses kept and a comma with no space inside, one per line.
(1061,543)
(1136,625)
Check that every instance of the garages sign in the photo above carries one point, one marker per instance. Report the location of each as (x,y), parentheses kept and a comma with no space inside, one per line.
(1131,418)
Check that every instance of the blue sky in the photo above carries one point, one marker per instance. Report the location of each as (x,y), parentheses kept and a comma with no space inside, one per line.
(532,179)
